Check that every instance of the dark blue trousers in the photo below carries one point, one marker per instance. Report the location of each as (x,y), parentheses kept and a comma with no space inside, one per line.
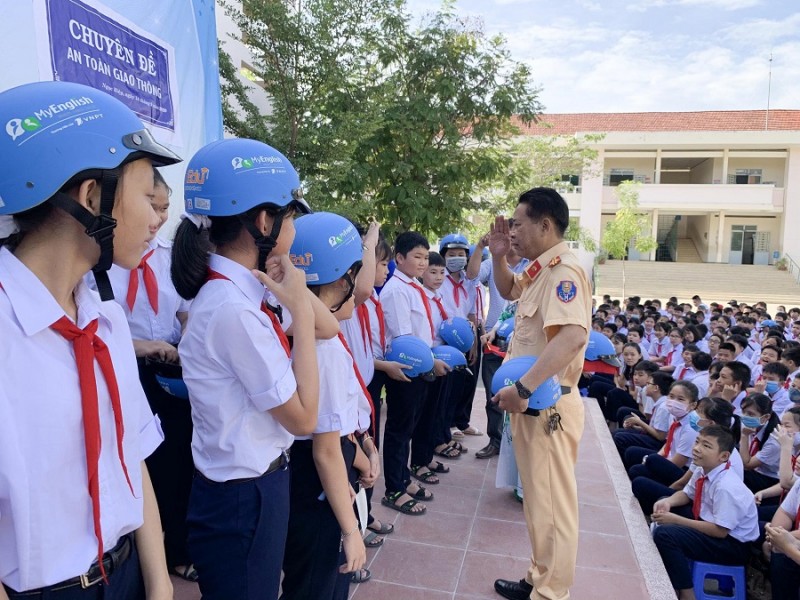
(648,492)
(431,422)
(784,574)
(656,467)
(463,411)
(237,535)
(494,414)
(375,389)
(125,583)
(679,546)
(629,438)
(404,402)
(616,399)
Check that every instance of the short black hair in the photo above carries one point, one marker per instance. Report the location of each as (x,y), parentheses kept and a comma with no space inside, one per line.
(739,371)
(544,202)
(776,368)
(664,381)
(435,259)
(792,354)
(409,240)
(722,435)
(702,361)
(645,366)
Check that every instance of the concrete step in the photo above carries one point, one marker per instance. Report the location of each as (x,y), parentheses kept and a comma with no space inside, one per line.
(687,252)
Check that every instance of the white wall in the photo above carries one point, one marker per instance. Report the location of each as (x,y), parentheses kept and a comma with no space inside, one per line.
(697,229)
(703,173)
(773,169)
(641,166)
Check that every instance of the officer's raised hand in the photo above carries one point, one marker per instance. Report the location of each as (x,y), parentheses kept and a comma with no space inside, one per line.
(499,240)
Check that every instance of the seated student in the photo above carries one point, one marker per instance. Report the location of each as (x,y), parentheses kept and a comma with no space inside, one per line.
(669,463)
(740,344)
(714,340)
(791,358)
(769,354)
(646,429)
(659,348)
(760,451)
(621,321)
(691,335)
(788,436)
(644,403)
(597,325)
(624,392)
(684,369)
(724,515)
(674,350)
(636,336)
(709,411)
(732,384)
(726,352)
(773,378)
(648,334)
(793,332)
(609,329)
(323,545)
(782,546)
(701,361)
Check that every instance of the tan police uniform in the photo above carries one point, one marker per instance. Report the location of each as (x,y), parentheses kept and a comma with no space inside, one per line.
(553,291)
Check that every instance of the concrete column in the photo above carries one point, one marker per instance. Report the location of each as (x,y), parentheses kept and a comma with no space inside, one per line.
(591,204)
(657,174)
(720,233)
(791,205)
(654,230)
(725,157)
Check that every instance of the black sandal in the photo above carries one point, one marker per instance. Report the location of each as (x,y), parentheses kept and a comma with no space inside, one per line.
(421,494)
(188,573)
(407,508)
(439,468)
(427,476)
(448,452)
(458,446)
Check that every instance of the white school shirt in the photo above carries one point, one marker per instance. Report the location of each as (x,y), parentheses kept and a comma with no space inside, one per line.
(726,502)
(702,382)
(649,337)
(339,390)
(755,373)
(737,403)
(644,347)
(46,524)
(791,503)
(769,455)
(660,418)
(496,302)
(683,440)
(781,402)
(673,354)
(145,324)
(236,371)
(436,314)
(465,292)
(404,309)
(660,348)
(791,377)
(360,345)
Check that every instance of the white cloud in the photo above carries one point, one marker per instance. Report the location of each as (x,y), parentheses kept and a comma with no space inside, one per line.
(643,5)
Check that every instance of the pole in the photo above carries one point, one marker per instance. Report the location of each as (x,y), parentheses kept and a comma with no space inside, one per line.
(769,93)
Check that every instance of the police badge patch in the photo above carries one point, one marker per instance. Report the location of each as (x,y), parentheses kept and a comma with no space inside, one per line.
(566,291)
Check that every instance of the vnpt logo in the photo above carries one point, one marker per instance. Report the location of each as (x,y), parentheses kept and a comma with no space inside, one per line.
(197,176)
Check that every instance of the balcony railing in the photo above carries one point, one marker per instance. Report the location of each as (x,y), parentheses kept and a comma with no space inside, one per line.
(694,197)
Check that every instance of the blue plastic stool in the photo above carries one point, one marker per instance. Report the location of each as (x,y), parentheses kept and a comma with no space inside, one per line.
(731,581)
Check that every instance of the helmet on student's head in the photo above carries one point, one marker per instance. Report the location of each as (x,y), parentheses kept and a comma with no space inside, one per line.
(170,377)
(767,323)
(412,351)
(453,240)
(544,396)
(600,356)
(457,332)
(54,130)
(229,177)
(325,246)
(453,357)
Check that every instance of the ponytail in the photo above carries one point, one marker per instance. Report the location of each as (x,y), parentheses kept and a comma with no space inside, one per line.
(190,251)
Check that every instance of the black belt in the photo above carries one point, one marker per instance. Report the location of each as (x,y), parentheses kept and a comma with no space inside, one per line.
(278,463)
(534,412)
(112,560)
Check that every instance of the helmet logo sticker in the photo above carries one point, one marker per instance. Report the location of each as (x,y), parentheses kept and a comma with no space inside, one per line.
(302,260)
(335,240)
(237,162)
(197,176)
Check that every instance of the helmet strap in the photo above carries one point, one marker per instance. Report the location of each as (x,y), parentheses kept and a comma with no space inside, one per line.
(264,243)
(100,227)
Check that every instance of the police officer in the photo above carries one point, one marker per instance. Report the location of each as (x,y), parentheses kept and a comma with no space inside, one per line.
(552,322)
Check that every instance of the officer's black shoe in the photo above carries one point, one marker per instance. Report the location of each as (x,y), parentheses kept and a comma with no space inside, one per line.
(513,590)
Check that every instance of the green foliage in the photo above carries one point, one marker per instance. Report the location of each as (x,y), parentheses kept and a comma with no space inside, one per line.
(380,119)
(628,225)
(576,233)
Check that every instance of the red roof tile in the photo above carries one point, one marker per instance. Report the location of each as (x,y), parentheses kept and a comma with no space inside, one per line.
(719,120)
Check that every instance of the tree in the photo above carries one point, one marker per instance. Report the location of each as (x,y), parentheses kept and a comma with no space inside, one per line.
(627,227)
(381,119)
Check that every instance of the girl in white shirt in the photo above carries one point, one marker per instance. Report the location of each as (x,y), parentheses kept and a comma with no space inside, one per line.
(75,427)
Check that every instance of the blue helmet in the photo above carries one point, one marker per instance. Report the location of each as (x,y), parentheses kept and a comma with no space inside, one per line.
(767,323)
(325,246)
(170,377)
(544,396)
(55,130)
(453,357)
(229,177)
(600,354)
(453,240)
(412,351)
(457,332)
(505,329)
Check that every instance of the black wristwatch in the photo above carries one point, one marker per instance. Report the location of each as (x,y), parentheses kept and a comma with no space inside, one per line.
(523,392)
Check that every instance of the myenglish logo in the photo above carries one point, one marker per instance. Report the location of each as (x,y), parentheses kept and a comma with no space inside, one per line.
(238,162)
(335,240)
(412,359)
(20,126)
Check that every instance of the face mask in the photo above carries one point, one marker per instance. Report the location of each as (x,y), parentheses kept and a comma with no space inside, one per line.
(794,395)
(772,387)
(694,421)
(751,422)
(455,263)
(677,409)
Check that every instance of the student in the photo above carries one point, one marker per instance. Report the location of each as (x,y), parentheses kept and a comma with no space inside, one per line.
(636,335)
(714,341)
(782,547)
(788,437)
(732,384)
(649,335)
(701,361)
(760,451)
(659,348)
(684,368)
(791,358)
(674,350)
(248,397)
(668,464)
(327,464)
(642,430)
(773,377)
(408,312)
(76,207)
(458,297)
(626,391)
(156,314)
(769,354)
(724,515)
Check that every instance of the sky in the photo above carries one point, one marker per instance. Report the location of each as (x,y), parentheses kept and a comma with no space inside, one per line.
(650,55)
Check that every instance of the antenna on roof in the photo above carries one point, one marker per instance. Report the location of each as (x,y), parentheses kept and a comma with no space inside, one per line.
(769,93)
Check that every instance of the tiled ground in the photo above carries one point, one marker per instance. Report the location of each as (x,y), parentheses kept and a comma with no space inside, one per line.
(475,533)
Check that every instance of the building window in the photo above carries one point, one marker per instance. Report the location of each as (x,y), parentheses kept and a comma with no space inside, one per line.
(617,176)
(745,176)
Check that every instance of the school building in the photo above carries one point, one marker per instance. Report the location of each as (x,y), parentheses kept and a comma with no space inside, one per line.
(718,186)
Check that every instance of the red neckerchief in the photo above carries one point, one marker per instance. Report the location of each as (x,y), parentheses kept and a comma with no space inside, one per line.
(755,444)
(425,303)
(381,320)
(442,311)
(670,435)
(276,324)
(458,287)
(150,283)
(360,380)
(366,332)
(698,493)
